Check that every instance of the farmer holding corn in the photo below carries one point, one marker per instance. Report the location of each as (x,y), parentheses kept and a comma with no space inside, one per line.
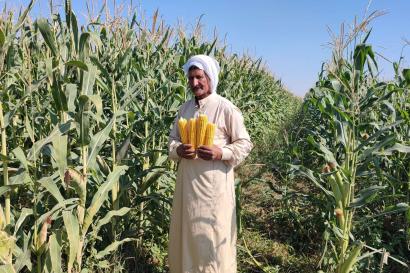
(208,140)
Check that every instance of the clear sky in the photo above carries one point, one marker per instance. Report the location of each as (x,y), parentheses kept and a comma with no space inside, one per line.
(290,36)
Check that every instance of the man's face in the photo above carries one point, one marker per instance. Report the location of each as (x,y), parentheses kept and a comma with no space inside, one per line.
(199,83)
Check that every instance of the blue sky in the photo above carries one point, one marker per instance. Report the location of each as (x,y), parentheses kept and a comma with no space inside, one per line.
(291,36)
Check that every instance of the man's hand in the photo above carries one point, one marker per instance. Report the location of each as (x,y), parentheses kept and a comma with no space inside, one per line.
(186,151)
(209,152)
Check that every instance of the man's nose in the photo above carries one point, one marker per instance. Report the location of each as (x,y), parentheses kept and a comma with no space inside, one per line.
(195,82)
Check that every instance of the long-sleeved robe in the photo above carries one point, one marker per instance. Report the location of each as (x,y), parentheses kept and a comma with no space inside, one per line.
(202,235)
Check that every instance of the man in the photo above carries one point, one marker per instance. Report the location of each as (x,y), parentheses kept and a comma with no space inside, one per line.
(203,221)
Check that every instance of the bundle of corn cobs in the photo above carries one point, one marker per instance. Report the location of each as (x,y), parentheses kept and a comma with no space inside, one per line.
(196,131)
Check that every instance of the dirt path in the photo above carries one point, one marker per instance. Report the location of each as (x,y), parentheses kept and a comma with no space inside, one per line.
(275,237)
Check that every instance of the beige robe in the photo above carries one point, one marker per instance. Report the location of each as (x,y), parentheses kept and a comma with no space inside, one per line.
(202,235)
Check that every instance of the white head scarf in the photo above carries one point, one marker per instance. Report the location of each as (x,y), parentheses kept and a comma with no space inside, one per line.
(208,64)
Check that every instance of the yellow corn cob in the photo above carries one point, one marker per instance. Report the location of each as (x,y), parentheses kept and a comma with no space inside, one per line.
(209,134)
(191,132)
(201,122)
(183,131)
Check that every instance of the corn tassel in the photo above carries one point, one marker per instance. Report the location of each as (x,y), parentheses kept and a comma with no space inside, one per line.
(192,132)
(201,123)
(183,131)
(209,134)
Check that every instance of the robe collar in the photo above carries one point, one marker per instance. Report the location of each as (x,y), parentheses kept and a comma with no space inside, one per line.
(201,103)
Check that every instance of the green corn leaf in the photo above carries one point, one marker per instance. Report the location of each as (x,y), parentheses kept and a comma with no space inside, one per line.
(84,45)
(399,207)
(5,158)
(97,101)
(303,171)
(84,120)
(337,232)
(29,129)
(5,189)
(88,80)
(10,37)
(47,34)
(397,147)
(96,143)
(20,179)
(122,151)
(23,256)
(8,188)
(51,187)
(58,207)
(123,61)
(72,228)
(58,130)
(25,212)
(2,38)
(59,153)
(376,135)
(107,218)
(78,64)
(386,141)
(19,153)
(359,56)
(365,196)
(59,97)
(102,69)
(406,75)
(101,195)
(392,209)
(112,247)
(327,154)
(152,177)
(7,268)
(55,254)
(71,94)
(67,9)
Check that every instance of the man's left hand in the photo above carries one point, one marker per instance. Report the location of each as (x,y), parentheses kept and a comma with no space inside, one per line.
(209,152)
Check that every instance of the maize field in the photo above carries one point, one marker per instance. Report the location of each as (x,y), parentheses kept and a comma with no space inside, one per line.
(86,186)
(85,114)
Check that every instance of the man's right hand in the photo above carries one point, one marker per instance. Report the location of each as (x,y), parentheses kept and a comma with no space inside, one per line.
(186,151)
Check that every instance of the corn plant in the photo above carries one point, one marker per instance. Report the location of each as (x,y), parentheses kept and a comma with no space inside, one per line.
(361,128)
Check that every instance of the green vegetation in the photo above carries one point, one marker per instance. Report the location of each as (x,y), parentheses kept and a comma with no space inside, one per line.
(353,145)
(85,116)
(85,113)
